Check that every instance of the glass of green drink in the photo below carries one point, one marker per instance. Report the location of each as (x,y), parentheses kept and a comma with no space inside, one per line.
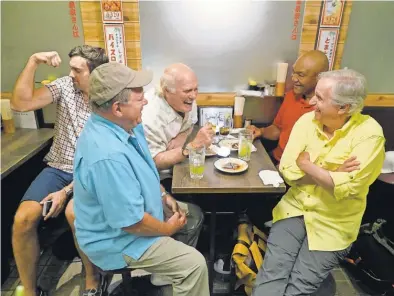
(245,144)
(196,162)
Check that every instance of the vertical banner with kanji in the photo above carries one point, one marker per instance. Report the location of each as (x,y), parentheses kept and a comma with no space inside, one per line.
(112,11)
(297,14)
(330,22)
(115,43)
(73,16)
(327,43)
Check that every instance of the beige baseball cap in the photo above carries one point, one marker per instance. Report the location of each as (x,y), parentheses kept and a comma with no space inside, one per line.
(109,79)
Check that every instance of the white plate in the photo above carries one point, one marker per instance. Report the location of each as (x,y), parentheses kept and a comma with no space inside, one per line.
(223,161)
(229,143)
(209,152)
(236,130)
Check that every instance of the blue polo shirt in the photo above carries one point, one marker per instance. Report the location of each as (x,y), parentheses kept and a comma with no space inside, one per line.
(115,182)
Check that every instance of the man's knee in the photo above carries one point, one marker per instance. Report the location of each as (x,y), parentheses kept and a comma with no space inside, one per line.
(27,217)
(70,215)
(197,262)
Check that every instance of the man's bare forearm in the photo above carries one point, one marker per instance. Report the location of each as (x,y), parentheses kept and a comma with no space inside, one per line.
(149,226)
(271,132)
(167,159)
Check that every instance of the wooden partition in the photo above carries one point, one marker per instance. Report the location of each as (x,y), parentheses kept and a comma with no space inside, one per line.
(94,34)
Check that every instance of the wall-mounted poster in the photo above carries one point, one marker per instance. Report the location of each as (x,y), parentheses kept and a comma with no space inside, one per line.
(215,115)
(332,13)
(327,43)
(111,11)
(115,43)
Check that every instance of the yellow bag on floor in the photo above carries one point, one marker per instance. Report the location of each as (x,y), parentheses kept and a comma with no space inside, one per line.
(248,255)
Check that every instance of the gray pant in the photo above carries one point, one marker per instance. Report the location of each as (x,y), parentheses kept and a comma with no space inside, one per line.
(184,265)
(191,231)
(289,267)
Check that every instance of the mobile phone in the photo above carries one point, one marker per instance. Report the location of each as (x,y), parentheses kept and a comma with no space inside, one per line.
(47,207)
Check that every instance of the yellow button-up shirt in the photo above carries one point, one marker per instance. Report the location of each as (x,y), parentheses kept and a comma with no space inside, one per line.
(332,219)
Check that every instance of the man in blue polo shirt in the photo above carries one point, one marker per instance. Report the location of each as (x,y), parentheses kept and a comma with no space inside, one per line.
(118,199)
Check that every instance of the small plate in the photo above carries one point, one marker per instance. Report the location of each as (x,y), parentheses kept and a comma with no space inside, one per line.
(231,144)
(209,152)
(221,163)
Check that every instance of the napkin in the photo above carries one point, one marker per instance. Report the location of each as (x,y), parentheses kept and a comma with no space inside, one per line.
(270,178)
(254,149)
(221,151)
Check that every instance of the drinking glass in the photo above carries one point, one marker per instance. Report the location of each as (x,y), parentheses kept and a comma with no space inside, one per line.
(245,144)
(196,162)
(227,126)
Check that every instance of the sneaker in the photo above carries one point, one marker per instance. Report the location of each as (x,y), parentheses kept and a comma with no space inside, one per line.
(101,290)
(160,280)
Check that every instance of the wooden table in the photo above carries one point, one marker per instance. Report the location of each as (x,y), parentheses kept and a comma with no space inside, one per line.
(19,147)
(215,181)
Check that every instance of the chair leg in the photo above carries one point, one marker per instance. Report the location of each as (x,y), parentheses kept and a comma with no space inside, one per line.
(126,283)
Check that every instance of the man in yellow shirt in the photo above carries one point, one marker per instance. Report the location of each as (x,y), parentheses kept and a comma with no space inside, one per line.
(333,155)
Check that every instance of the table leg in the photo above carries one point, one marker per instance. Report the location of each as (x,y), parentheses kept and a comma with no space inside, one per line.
(212,232)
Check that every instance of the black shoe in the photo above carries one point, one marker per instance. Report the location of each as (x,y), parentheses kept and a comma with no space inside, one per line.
(41,292)
(101,290)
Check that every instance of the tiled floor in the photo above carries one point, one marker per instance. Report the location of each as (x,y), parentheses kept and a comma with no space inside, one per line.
(63,278)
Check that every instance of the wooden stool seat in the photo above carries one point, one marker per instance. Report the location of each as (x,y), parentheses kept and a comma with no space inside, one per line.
(126,285)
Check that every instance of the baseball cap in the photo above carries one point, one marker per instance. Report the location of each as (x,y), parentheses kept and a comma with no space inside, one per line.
(388,165)
(109,79)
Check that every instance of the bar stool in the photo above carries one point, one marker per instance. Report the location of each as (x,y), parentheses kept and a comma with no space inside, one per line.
(126,284)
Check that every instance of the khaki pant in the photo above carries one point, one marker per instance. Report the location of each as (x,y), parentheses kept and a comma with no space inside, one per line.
(185,266)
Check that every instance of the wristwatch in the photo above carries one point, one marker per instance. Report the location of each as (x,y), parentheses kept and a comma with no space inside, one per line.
(185,151)
(164,193)
(69,191)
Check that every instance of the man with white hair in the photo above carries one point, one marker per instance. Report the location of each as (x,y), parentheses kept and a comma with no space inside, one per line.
(168,119)
(333,155)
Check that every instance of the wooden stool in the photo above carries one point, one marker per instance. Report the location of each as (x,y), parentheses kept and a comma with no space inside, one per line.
(126,278)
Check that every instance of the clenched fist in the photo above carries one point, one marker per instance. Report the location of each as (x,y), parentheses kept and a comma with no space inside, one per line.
(51,58)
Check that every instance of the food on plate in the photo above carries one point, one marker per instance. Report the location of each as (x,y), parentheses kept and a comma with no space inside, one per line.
(234,146)
(231,166)
(209,151)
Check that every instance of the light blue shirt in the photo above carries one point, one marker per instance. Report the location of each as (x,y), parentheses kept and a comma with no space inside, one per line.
(115,183)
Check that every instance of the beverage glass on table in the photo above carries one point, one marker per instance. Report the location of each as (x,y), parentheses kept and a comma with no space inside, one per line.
(227,126)
(245,144)
(196,162)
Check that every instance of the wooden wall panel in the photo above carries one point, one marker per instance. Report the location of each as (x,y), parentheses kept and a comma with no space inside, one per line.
(379,100)
(94,34)
(227,99)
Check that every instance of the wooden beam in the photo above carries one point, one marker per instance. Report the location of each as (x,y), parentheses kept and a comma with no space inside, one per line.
(379,100)
(215,99)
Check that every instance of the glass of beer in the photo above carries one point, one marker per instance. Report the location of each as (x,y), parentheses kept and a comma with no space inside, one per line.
(245,144)
(196,162)
(7,116)
(225,129)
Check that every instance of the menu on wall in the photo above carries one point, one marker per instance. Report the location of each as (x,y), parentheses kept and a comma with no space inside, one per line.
(332,13)
(327,43)
(112,11)
(330,22)
(115,43)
